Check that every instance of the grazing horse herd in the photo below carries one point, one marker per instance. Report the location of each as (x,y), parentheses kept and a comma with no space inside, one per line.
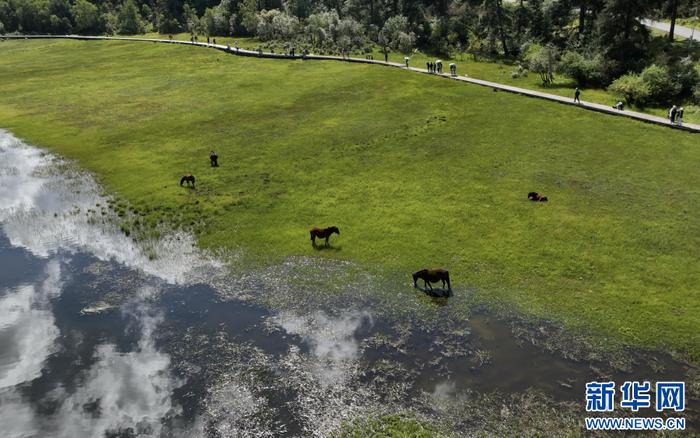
(429,276)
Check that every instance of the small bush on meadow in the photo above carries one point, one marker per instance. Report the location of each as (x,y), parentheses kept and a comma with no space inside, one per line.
(543,61)
(657,85)
(585,70)
(631,88)
(662,88)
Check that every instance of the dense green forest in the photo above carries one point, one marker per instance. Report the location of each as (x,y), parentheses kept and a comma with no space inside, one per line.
(596,42)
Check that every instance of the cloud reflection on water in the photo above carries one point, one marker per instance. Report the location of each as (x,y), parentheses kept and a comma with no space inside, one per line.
(43,206)
(129,389)
(27,328)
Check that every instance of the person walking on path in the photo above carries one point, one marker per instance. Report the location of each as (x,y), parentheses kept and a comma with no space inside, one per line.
(577,95)
(386,56)
(406,59)
(427,66)
(679,117)
(672,114)
(453,69)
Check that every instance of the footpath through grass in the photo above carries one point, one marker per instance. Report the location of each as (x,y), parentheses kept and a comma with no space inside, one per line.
(499,72)
(416,171)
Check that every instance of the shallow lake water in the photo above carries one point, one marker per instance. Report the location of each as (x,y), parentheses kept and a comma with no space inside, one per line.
(100,338)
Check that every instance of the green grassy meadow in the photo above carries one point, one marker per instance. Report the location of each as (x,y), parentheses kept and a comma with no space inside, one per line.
(415,170)
(500,72)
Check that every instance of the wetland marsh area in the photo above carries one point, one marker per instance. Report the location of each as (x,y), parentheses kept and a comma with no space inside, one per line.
(130,306)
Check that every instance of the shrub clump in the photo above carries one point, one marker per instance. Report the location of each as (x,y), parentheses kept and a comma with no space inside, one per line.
(657,85)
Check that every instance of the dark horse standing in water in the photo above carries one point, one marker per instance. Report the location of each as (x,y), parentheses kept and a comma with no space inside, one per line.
(323,233)
(189,179)
(432,276)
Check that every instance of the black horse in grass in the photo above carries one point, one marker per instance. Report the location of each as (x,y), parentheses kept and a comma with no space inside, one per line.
(432,276)
(534,196)
(189,179)
(323,233)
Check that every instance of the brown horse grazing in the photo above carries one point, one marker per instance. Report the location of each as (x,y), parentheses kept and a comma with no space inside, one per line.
(323,233)
(188,178)
(432,276)
(534,196)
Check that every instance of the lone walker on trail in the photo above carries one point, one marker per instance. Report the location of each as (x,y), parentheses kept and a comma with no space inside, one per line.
(406,59)
(577,95)
(453,69)
(323,233)
(214,159)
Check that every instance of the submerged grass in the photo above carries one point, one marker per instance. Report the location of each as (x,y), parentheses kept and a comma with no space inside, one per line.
(414,170)
(394,425)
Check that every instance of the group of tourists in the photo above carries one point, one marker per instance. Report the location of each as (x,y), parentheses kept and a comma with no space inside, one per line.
(195,39)
(675,115)
(436,67)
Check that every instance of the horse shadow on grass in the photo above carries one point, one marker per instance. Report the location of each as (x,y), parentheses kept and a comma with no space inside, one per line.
(324,247)
(435,292)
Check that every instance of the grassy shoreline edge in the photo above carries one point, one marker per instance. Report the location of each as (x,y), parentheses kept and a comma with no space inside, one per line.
(25,128)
